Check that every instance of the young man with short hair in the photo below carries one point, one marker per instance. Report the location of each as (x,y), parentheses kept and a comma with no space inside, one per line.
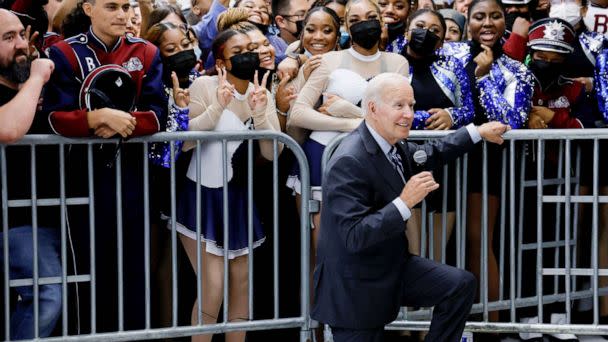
(80,60)
(289,18)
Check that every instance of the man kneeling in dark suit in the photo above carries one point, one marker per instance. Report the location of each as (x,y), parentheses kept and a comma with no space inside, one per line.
(364,272)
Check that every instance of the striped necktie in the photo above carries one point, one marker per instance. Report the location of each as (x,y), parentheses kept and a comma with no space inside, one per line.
(395,158)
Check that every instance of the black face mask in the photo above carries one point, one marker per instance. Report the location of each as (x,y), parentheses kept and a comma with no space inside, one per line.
(182,63)
(244,65)
(545,72)
(395,30)
(423,41)
(510,19)
(366,33)
(299,28)
(261,27)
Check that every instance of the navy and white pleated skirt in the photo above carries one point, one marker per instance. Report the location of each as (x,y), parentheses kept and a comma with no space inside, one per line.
(212,214)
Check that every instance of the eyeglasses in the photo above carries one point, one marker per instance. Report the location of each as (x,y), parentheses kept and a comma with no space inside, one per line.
(297,16)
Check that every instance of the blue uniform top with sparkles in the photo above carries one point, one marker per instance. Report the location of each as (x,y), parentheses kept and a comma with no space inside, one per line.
(505,93)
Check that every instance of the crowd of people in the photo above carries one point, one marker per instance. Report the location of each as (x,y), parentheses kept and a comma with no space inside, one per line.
(115,68)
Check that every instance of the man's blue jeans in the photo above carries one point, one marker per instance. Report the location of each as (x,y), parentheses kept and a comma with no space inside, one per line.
(21,266)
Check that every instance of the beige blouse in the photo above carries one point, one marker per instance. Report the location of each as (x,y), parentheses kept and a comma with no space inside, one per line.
(205,111)
(345,116)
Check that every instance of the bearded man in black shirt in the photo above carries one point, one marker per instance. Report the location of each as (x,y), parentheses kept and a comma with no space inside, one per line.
(21,80)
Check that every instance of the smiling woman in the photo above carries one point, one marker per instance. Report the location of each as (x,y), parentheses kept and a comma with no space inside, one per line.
(320,35)
(258,12)
(394,15)
(226,102)
(239,19)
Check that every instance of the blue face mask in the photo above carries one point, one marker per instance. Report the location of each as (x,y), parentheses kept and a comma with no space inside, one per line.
(198,52)
(307,53)
(344,40)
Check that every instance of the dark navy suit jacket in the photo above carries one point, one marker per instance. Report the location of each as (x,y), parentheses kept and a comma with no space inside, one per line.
(362,247)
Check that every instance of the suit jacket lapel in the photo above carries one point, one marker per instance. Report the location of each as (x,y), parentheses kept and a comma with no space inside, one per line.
(385,168)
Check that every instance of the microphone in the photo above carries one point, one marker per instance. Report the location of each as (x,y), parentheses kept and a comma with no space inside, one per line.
(420,158)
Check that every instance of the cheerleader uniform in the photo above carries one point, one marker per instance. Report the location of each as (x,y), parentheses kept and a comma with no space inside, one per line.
(207,114)
(397,45)
(441,82)
(504,94)
(345,74)
(160,155)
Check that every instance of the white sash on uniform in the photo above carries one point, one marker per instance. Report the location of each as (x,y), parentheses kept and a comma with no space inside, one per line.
(348,85)
(211,153)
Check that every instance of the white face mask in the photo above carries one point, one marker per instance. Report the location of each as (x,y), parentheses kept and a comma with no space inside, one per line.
(596,20)
(570,12)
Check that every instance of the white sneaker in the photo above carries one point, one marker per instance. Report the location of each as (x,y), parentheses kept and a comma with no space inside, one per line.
(560,318)
(528,336)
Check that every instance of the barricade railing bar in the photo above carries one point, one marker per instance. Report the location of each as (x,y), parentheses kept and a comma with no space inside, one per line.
(89,198)
(532,260)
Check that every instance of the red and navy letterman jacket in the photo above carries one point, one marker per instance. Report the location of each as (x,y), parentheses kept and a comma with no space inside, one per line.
(565,99)
(77,56)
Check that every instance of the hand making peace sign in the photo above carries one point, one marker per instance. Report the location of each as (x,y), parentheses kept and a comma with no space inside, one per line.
(257,98)
(180,96)
(32,52)
(225,90)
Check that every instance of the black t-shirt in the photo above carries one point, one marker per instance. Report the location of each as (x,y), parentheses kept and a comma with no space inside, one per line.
(18,173)
(6,94)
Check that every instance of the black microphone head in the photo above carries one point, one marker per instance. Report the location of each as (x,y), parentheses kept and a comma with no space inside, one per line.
(420,157)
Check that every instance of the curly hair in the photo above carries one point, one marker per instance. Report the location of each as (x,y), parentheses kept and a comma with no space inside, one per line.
(236,19)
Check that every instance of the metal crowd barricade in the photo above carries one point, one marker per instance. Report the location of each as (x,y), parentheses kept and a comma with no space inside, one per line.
(300,321)
(525,153)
